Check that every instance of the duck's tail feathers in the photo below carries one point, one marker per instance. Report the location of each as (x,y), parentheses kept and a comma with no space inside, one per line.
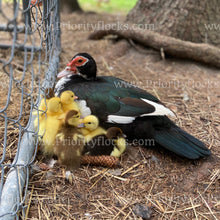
(180,142)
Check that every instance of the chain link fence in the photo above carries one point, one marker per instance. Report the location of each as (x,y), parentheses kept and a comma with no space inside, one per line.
(29,58)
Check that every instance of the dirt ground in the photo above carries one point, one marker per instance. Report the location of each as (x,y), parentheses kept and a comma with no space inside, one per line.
(172,187)
(169,186)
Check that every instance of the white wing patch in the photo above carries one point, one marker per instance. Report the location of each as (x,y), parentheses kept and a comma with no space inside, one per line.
(159,109)
(84,109)
(60,84)
(120,119)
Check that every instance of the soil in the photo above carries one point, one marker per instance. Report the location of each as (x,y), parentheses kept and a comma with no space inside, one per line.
(170,186)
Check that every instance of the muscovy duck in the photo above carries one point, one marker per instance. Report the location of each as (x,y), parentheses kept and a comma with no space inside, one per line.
(140,115)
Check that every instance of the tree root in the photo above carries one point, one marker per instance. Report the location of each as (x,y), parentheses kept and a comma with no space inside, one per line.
(200,52)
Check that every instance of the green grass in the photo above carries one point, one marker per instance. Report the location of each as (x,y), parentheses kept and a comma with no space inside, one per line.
(113,6)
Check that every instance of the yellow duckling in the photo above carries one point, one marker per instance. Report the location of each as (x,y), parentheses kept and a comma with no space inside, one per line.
(43,105)
(53,121)
(99,141)
(49,93)
(118,137)
(40,122)
(69,141)
(112,143)
(91,128)
(67,100)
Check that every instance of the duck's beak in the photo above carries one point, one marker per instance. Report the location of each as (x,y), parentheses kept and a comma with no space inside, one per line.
(76,97)
(124,135)
(67,71)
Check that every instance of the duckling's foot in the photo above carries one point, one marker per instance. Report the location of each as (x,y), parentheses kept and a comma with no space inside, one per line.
(43,166)
(47,166)
(69,176)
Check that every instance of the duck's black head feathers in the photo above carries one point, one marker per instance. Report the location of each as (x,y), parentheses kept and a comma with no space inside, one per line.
(89,69)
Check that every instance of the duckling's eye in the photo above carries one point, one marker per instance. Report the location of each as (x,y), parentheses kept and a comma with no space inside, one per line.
(72,96)
(80,60)
(89,123)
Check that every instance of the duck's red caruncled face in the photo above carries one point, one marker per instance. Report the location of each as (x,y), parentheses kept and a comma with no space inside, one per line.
(78,61)
(71,67)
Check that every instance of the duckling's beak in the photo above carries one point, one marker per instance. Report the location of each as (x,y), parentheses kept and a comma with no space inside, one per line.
(82,125)
(67,71)
(76,97)
(124,135)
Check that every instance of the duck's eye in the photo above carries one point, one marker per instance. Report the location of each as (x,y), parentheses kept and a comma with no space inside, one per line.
(80,60)
(72,96)
(89,123)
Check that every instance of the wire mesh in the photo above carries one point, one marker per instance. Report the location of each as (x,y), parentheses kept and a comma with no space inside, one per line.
(29,58)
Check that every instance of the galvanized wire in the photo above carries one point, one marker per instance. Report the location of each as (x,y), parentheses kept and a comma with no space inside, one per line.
(29,58)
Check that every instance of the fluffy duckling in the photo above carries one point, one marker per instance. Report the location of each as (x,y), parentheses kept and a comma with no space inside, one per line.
(99,145)
(43,105)
(69,141)
(40,122)
(99,141)
(53,121)
(68,101)
(49,93)
(112,143)
(90,128)
(118,137)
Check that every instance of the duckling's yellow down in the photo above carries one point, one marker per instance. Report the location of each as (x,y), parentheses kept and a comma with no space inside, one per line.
(91,128)
(119,148)
(40,122)
(67,100)
(53,121)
